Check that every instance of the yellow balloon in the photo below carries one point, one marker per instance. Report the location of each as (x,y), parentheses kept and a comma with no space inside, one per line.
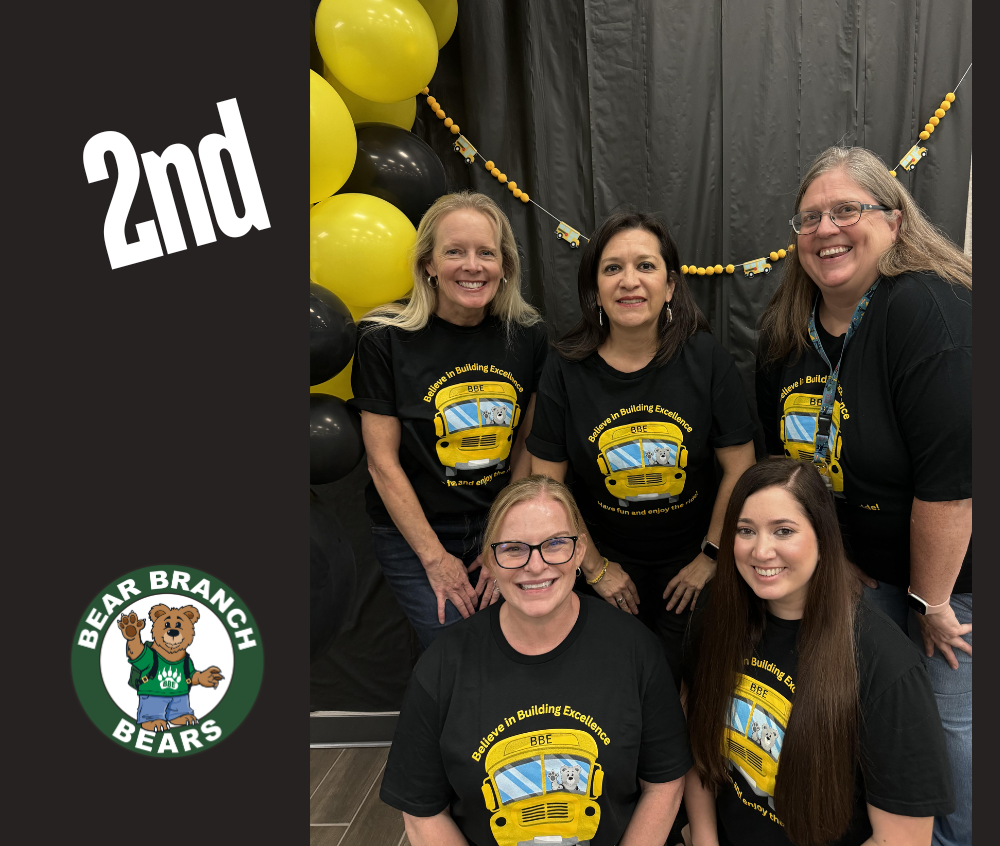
(401,114)
(382,50)
(357,312)
(358,248)
(333,144)
(339,385)
(444,16)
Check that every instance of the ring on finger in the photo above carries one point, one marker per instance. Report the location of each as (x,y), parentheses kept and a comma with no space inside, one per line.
(620,600)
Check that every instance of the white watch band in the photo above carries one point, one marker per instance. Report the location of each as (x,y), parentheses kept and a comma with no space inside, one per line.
(931,609)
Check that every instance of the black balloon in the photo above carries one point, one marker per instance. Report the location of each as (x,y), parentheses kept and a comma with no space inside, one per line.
(335,444)
(332,577)
(398,167)
(332,334)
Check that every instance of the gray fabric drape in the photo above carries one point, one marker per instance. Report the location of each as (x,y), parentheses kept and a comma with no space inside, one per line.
(708,113)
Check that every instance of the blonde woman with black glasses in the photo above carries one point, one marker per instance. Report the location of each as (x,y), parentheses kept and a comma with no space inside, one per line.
(552,718)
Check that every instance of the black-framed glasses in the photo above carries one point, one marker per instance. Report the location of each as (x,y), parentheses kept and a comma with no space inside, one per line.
(512,555)
(844,214)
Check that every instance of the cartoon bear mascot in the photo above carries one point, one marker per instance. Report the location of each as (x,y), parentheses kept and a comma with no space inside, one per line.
(765,737)
(570,778)
(658,456)
(162,671)
(496,416)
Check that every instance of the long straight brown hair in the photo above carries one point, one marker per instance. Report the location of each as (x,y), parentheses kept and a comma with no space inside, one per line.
(814,791)
(591,332)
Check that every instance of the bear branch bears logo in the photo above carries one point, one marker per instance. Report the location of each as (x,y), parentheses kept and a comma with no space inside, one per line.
(183,668)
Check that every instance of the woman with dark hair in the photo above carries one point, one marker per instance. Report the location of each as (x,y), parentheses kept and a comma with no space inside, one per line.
(865,371)
(640,401)
(811,716)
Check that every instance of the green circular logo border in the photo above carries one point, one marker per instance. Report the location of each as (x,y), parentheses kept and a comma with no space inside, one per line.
(244,682)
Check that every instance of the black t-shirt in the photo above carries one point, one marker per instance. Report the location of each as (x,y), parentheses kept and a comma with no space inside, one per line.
(903,766)
(460,393)
(641,444)
(519,746)
(903,416)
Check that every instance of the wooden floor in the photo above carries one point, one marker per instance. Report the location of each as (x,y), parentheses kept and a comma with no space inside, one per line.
(344,808)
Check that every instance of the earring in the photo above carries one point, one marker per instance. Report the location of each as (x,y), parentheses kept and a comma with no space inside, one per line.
(432,281)
(670,314)
(578,572)
(600,317)
(504,280)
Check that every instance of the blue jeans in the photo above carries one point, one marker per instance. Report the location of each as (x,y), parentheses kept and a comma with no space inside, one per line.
(461,536)
(162,708)
(953,692)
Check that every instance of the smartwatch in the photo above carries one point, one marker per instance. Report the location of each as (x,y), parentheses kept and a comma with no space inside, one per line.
(710,549)
(921,606)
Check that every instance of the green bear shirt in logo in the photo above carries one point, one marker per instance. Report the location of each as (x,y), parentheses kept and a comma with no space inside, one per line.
(169,679)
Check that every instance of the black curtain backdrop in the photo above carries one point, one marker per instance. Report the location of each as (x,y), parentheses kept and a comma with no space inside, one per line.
(707,113)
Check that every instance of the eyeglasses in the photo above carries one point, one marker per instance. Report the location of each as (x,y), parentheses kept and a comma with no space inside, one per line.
(512,555)
(845,214)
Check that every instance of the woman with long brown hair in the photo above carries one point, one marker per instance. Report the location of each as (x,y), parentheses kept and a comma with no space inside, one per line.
(811,716)
(641,401)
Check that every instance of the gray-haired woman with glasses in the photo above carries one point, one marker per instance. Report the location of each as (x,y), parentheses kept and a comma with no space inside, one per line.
(865,371)
(549,718)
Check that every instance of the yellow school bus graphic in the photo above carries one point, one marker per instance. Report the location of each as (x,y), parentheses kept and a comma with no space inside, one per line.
(475,423)
(761,265)
(913,157)
(541,787)
(567,233)
(755,732)
(463,146)
(798,433)
(643,461)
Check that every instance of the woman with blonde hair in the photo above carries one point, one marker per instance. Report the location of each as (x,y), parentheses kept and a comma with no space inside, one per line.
(865,371)
(551,717)
(445,382)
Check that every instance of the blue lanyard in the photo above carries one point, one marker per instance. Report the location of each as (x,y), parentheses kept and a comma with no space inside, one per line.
(823,445)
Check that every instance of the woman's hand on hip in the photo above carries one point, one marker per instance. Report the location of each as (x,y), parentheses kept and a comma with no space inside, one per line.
(688,584)
(450,580)
(618,589)
(944,632)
